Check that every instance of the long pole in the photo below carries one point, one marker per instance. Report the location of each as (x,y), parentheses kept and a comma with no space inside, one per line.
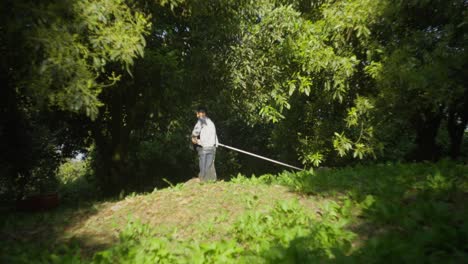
(258,156)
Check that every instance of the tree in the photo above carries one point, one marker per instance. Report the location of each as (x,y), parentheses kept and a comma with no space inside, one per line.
(422,72)
(376,58)
(57,57)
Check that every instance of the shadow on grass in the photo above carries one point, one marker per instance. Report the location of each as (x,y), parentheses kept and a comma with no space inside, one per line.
(33,236)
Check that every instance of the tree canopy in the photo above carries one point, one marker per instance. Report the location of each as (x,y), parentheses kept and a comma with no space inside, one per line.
(322,83)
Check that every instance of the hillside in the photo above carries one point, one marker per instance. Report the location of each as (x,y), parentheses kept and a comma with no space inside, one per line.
(186,211)
(355,214)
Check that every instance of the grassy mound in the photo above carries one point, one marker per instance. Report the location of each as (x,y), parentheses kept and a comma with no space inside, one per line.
(183,212)
(397,213)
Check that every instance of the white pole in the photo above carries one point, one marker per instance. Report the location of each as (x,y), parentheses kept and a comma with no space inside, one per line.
(258,156)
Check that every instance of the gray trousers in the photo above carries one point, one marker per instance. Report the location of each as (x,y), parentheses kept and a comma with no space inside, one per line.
(206,157)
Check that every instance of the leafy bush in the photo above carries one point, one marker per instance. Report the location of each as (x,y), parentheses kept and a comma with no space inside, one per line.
(29,159)
(410,212)
(76,181)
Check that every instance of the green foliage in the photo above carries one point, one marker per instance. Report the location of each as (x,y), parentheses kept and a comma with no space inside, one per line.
(317,82)
(77,45)
(415,212)
(358,117)
(76,183)
(375,57)
(152,160)
(30,166)
(29,253)
(137,245)
(280,54)
(313,158)
(57,58)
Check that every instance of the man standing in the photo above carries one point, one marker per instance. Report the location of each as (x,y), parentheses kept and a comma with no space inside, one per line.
(204,135)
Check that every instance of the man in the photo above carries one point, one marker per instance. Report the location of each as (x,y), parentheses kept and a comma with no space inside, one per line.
(204,137)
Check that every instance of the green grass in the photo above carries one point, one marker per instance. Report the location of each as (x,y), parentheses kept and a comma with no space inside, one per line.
(395,213)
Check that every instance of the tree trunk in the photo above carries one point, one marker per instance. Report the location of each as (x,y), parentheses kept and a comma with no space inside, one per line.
(112,136)
(16,158)
(427,127)
(456,126)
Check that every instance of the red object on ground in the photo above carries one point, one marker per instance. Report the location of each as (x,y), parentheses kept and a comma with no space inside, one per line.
(39,202)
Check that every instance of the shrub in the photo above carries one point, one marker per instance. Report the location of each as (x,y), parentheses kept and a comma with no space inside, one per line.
(76,181)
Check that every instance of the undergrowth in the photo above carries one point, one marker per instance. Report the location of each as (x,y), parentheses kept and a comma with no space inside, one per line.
(255,238)
(413,213)
(394,213)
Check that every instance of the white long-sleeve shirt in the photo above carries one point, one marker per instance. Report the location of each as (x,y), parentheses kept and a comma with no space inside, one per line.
(205,128)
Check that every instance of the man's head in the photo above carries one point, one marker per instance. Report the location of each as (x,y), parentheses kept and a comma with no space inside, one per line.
(201,112)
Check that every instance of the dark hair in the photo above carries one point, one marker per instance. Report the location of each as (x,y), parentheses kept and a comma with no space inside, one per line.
(202,109)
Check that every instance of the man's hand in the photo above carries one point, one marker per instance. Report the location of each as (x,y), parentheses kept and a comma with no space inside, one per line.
(194,140)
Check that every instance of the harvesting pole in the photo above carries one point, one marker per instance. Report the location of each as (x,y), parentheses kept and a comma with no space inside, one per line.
(260,157)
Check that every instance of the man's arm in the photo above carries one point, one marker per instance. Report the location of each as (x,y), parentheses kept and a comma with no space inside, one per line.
(196,132)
